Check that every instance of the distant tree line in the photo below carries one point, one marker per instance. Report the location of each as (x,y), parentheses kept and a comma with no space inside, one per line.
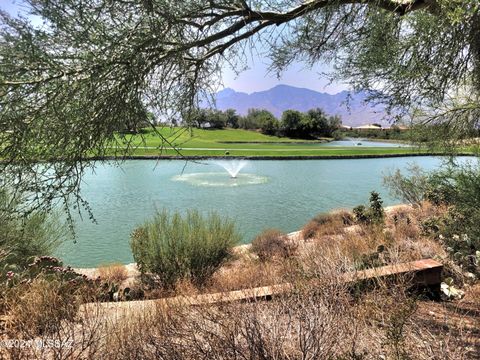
(312,124)
(392,133)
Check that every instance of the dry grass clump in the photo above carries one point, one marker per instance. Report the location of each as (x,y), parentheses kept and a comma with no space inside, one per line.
(327,224)
(40,305)
(44,321)
(310,230)
(272,243)
(349,248)
(115,273)
(371,246)
(249,275)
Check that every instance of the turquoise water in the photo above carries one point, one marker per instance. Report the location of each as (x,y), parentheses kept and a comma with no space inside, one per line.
(280,194)
(364,143)
(350,142)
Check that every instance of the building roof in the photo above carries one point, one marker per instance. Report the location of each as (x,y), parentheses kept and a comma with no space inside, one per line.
(369,126)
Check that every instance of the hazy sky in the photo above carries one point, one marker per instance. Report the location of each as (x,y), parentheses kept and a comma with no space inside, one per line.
(256,77)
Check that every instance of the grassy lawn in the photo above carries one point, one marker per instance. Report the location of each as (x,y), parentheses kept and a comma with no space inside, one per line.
(206,138)
(237,142)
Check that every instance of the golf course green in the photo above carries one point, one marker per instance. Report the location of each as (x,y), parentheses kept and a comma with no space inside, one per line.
(171,141)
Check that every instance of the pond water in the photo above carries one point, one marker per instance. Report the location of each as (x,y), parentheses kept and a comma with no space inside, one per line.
(282,194)
(364,143)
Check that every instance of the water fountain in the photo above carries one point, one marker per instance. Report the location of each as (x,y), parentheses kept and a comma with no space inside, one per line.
(355,141)
(230,178)
(233,167)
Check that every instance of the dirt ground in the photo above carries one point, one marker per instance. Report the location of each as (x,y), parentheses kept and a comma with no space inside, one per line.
(460,317)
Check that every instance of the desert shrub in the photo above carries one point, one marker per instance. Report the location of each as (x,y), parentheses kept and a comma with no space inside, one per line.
(360,213)
(41,304)
(310,229)
(431,226)
(457,188)
(371,260)
(48,269)
(323,218)
(411,189)
(172,246)
(345,216)
(115,273)
(24,237)
(327,224)
(407,230)
(377,214)
(374,214)
(272,243)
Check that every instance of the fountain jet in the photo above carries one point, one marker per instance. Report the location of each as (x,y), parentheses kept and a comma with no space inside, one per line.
(233,167)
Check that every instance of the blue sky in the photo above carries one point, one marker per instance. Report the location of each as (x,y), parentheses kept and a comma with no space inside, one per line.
(256,77)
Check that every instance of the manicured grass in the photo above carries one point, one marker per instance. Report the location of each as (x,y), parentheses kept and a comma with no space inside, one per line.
(205,138)
(199,142)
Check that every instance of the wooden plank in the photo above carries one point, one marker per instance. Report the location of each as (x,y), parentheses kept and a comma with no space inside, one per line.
(416,268)
(425,272)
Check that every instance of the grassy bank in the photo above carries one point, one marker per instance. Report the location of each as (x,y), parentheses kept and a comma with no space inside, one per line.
(237,142)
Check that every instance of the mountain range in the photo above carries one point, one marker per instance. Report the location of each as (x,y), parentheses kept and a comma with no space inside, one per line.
(284,97)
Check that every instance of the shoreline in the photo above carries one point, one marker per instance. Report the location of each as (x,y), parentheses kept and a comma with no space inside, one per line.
(132,270)
(269,157)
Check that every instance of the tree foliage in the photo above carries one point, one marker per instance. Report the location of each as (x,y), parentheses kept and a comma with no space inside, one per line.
(292,123)
(267,122)
(318,123)
(94,66)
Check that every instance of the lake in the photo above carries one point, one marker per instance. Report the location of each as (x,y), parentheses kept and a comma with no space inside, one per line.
(282,194)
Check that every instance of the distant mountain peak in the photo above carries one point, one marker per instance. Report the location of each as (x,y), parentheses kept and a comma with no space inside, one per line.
(225,92)
(286,97)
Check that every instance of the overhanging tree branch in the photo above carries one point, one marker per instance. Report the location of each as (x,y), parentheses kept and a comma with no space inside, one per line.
(97,66)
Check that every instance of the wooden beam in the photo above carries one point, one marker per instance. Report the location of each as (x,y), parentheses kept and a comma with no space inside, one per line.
(421,274)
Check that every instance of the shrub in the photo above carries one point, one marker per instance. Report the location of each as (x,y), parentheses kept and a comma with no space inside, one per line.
(310,229)
(41,304)
(322,218)
(346,217)
(456,187)
(327,224)
(374,214)
(360,213)
(272,243)
(411,189)
(22,238)
(175,247)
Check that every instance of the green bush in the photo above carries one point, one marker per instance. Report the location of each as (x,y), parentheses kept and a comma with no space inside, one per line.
(22,238)
(360,213)
(374,214)
(174,247)
(411,189)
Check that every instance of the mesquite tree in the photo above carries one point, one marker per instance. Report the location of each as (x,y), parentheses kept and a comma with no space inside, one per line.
(96,66)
